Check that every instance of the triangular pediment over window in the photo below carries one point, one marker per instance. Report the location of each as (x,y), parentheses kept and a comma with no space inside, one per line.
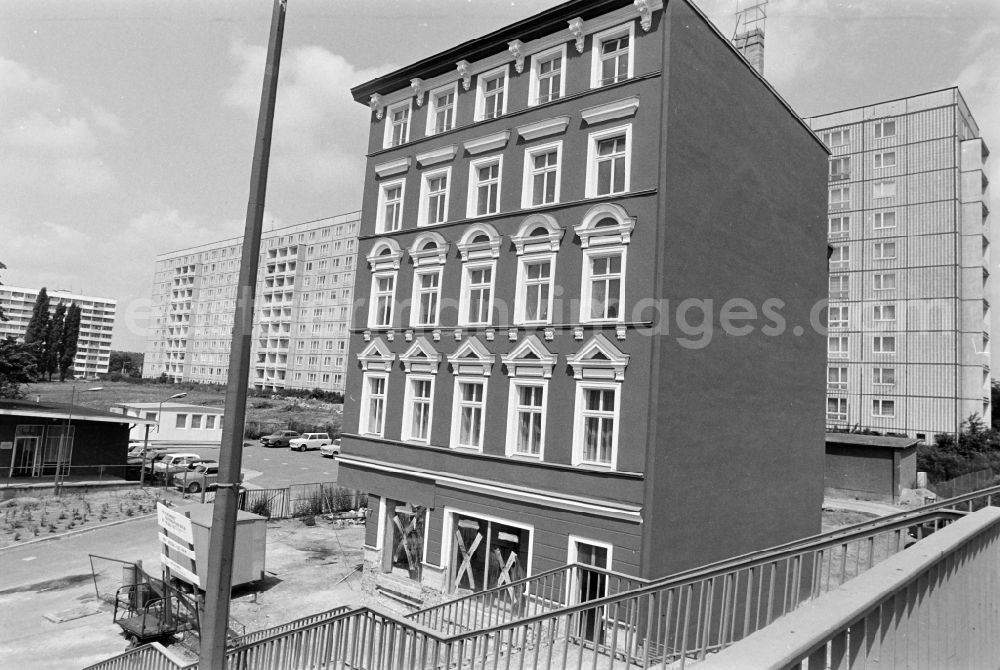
(421,357)
(530,358)
(598,358)
(472,358)
(376,356)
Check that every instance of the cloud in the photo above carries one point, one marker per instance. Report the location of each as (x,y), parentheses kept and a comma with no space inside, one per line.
(311,154)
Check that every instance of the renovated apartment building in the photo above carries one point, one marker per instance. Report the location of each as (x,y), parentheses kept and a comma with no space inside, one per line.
(909,315)
(97,321)
(305,287)
(559,220)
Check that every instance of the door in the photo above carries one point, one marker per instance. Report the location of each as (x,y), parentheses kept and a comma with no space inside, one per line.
(25,461)
(591,585)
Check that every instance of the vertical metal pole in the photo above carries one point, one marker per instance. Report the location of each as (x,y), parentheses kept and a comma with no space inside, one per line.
(223,532)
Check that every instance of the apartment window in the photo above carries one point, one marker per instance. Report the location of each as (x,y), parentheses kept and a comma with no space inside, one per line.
(477,294)
(196,421)
(885,159)
(373,404)
(484,186)
(840,168)
(398,127)
(210,422)
(884,189)
(884,376)
(836,346)
(613,57)
(883,344)
(596,430)
(547,81)
(181,421)
(534,292)
(492,99)
(836,138)
(434,198)
(417,408)
(838,316)
(441,116)
(885,128)
(885,251)
(390,207)
(382,299)
(468,413)
(839,286)
(884,282)
(883,408)
(836,409)
(840,226)
(526,427)
(603,285)
(883,220)
(884,312)
(840,197)
(541,175)
(840,258)
(426,297)
(608,161)
(836,378)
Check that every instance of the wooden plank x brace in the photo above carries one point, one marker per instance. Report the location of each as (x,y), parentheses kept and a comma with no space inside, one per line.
(466,565)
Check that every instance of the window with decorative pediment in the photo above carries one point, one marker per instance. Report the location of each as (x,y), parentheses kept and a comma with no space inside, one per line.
(529,366)
(420,362)
(429,252)
(604,233)
(479,247)
(384,263)
(376,362)
(471,363)
(536,243)
(599,368)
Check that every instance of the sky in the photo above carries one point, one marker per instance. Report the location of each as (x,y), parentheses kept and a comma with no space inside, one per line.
(127,127)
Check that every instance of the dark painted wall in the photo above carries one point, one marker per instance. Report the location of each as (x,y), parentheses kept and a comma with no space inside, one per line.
(95,443)
(739,429)
(869,473)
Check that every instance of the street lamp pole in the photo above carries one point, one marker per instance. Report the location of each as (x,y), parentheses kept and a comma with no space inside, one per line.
(145,445)
(61,451)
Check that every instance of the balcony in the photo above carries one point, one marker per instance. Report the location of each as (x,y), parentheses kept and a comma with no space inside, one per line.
(840,176)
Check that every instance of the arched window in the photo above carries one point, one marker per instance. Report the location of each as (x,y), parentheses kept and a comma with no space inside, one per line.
(605,233)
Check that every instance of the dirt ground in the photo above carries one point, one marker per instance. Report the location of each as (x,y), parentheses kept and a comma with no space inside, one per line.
(835,518)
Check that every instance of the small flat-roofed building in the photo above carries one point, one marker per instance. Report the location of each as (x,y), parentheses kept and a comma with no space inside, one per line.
(174,421)
(869,467)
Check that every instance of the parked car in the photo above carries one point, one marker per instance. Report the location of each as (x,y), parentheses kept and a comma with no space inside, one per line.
(309,441)
(331,449)
(173,462)
(135,453)
(201,476)
(278,438)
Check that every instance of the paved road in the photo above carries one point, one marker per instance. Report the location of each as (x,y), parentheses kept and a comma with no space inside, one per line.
(276,467)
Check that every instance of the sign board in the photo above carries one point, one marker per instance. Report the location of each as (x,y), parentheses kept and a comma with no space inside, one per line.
(180,571)
(7,445)
(176,546)
(174,523)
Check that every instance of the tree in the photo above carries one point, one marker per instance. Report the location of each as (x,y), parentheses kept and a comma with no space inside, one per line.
(17,366)
(57,340)
(3,317)
(994,400)
(71,334)
(37,335)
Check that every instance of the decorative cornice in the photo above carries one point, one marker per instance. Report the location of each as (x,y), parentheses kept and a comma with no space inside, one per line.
(376,104)
(379,260)
(398,166)
(530,359)
(376,357)
(472,357)
(435,256)
(618,234)
(524,241)
(488,143)
(576,29)
(599,359)
(479,250)
(417,86)
(516,48)
(465,73)
(619,109)
(645,14)
(438,155)
(421,357)
(544,128)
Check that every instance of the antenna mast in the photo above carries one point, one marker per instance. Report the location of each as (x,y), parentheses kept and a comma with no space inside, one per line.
(748,36)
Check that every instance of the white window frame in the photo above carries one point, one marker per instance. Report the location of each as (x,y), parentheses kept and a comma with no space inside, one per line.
(472,200)
(880,189)
(840,167)
(592,143)
(879,161)
(432,109)
(418,292)
(879,220)
(879,344)
(839,351)
(528,182)
(844,223)
(366,398)
(390,127)
(878,376)
(885,251)
(842,316)
(513,408)
(456,417)
(841,291)
(840,257)
(579,417)
(880,404)
(373,300)
(841,413)
(586,287)
(423,216)
(878,281)
(838,381)
(597,41)
(880,128)
(535,78)
(843,136)
(845,197)
(521,296)
(481,80)
(879,312)
(465,298)
(408,407)
(381,222)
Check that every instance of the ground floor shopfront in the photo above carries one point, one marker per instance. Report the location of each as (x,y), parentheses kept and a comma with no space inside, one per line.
(431,538)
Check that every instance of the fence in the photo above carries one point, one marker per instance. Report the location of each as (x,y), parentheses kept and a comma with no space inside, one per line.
(967,483)
(301,500)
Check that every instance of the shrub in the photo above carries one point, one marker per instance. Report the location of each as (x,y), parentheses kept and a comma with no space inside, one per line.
(261,506)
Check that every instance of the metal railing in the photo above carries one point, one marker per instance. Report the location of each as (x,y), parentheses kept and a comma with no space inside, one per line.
(152,656)
(303,622)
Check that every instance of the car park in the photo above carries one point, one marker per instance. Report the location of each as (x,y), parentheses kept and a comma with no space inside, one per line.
(202,476)
(278,438)
(331,450)
(309,441)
